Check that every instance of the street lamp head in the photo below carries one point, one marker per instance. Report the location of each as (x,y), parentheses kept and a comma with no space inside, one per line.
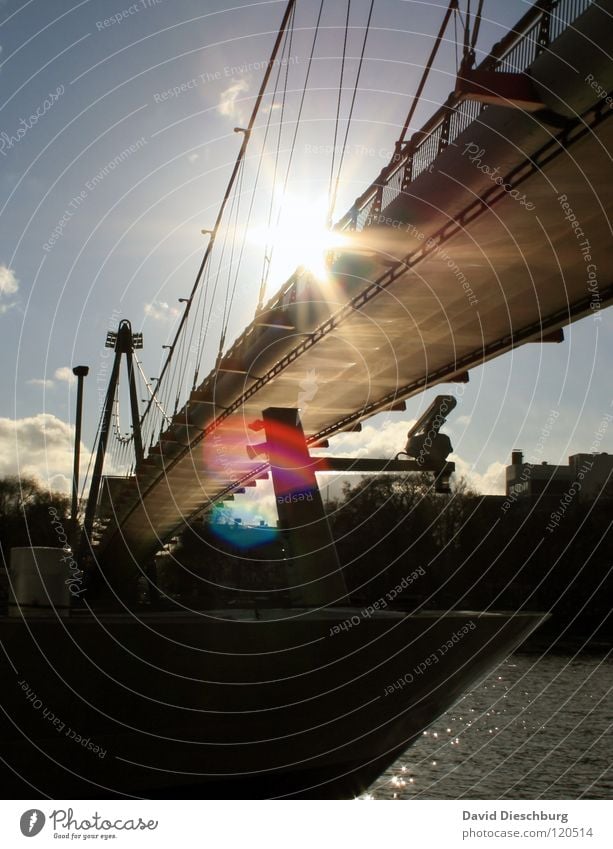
(80,371)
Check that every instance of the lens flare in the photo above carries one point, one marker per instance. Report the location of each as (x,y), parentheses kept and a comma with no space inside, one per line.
(299,238)
(249,531)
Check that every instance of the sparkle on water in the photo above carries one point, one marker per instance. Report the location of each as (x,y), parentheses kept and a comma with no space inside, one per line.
(537,727)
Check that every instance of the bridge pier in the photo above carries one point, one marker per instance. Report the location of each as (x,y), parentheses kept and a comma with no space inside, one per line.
(315,575)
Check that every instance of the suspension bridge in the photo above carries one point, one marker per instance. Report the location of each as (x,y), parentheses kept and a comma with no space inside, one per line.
(487,229)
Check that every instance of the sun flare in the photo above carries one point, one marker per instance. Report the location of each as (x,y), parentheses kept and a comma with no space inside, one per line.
(300,238)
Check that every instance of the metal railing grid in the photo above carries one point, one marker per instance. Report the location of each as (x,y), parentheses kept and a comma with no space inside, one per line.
(515,54)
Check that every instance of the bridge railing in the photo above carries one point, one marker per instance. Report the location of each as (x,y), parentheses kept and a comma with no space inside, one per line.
(515,52)
(539,27)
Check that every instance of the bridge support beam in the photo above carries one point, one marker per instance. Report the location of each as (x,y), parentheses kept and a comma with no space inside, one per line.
(499,89)
(315,574)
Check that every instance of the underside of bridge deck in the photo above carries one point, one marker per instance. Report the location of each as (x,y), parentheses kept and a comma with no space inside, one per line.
(504,241)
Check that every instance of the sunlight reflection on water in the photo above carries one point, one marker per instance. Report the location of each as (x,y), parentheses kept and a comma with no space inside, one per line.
(536,727)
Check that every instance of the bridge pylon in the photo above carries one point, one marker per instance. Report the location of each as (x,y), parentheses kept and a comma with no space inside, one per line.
(124,342)
(315,575)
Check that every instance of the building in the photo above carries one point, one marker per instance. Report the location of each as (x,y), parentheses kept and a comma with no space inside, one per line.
(587,476)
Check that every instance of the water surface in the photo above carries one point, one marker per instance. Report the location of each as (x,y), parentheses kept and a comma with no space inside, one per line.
(536,727)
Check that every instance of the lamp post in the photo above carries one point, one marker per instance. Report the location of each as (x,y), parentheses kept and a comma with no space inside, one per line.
(79,372)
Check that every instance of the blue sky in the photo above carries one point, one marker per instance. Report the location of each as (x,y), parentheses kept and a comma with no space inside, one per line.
(82,243)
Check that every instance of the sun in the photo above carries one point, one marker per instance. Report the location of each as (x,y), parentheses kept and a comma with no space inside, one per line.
(299,237)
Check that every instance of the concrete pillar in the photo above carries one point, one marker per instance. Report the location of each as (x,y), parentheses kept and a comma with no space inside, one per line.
(314,573)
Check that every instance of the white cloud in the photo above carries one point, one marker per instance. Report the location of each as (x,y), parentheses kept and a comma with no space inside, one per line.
(227,104)
(388,440)
(41,381)
(491,482)
(64,373)
(192,158)
(40,446)
(160,311)
(385,441)
(9,285)
(8,282)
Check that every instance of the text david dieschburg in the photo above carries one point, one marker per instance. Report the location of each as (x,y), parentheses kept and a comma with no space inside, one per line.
(514,815)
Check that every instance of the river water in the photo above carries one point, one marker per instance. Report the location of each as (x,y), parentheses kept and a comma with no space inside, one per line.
(536,727)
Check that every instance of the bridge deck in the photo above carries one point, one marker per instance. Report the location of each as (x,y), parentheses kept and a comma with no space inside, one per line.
(455,270)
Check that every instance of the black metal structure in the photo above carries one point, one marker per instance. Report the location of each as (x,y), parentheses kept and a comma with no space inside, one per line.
(124,342)
(80,372)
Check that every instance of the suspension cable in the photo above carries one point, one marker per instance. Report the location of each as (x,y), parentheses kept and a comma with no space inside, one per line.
(234,215)
(455,38)
(229,301)
(117,424)
(201,308)
(269,248)
(233,223)
(476,27)
(239,159)
(330,212)
(467,31)
(353,99)
(294,137)
(152,391)
(450,8)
